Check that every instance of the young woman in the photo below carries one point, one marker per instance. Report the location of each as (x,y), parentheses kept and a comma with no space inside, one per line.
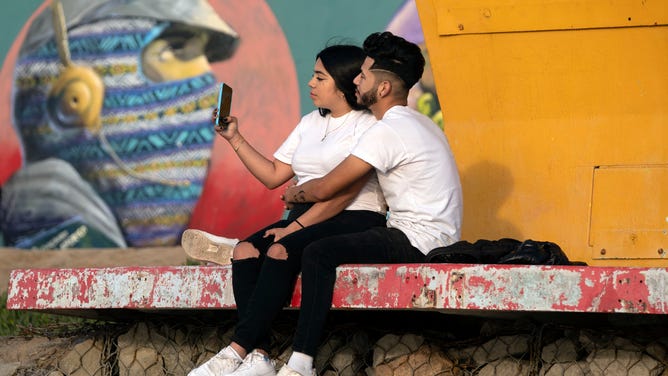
(265,265)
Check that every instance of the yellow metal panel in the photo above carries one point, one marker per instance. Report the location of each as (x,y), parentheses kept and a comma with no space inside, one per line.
(629,215)
(529,115)
(483,16)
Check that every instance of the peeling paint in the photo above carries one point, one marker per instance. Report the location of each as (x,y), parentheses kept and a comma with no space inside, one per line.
(426,299)
(444,287)
(656,281)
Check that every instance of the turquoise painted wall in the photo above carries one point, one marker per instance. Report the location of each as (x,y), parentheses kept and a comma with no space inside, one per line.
(12,19)
(309,25)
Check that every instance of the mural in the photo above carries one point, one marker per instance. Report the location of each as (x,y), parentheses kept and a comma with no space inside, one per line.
(107,141)
(149,166)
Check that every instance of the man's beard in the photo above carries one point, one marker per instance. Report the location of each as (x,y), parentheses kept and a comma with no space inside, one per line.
(369,98)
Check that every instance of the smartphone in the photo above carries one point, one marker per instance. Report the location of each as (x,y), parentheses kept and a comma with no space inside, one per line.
(224,104)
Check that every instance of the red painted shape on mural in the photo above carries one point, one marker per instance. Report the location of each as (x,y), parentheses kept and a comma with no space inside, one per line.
(233,202)
(441,287)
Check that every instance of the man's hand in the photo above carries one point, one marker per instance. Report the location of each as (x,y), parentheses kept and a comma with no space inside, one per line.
(278,233)
(294,194)
(287,204)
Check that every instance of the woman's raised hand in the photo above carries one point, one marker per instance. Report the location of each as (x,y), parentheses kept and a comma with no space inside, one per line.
(228,126)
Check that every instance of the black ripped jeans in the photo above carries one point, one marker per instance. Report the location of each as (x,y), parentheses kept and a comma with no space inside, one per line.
(262,286)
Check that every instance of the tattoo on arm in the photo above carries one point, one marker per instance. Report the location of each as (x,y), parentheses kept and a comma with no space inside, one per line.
(300,196)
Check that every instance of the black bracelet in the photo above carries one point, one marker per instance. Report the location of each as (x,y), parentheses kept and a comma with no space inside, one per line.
(299,223)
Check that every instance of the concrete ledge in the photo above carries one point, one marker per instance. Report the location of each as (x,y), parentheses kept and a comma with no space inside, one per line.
(14,258)
(452,288)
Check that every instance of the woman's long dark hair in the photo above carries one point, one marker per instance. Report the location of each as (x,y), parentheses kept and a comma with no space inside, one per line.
(343,62)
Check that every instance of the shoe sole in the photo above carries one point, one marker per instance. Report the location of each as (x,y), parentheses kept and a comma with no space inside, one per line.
(199,247)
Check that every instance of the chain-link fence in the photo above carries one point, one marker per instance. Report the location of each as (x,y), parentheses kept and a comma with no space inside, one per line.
(380,344)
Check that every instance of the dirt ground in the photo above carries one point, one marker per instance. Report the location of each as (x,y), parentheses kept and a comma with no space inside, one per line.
(24,350)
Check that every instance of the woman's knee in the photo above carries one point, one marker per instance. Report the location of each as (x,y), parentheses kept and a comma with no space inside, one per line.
(277,251)
(244,250)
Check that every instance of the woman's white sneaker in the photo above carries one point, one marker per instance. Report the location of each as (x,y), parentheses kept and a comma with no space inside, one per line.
(202,246)
(223,363)
(256,364)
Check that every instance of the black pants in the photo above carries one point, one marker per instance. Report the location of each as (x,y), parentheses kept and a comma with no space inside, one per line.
(379,245)
(263,285)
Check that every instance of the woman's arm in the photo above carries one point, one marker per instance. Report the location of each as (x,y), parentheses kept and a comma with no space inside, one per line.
(270,173)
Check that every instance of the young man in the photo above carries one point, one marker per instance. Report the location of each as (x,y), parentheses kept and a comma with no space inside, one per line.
(418,176)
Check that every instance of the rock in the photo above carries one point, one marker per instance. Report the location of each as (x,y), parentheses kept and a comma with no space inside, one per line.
(346,362)
(506,366)
(135,357)
(149,360)
(392,346)
(461,354)
(565,369)
(658,351)
(326,351)
(561,351)
(622,362)
(501,347)
(349,358)
(85,359)
(426,361)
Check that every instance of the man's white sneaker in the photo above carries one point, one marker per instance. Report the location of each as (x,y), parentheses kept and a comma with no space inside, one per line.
(256,364)
(201,245)
(287,371)
(223,363)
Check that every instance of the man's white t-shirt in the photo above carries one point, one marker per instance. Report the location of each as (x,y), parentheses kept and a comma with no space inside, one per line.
(318,144)
(418,176)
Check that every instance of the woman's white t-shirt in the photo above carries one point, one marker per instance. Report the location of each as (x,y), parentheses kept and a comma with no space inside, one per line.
(319,143)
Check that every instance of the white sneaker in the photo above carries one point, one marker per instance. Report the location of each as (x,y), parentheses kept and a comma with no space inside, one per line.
(201,245)
(223,363)
(256,364)
(287,371)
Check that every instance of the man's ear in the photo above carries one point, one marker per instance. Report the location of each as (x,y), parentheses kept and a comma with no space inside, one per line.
(384,89)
